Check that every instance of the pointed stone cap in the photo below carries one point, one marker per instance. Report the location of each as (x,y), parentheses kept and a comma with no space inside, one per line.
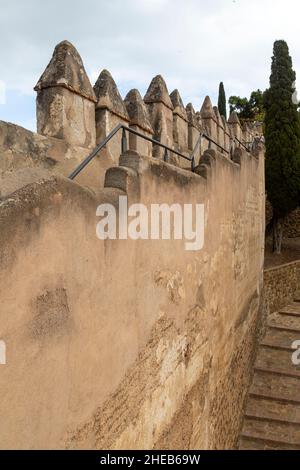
(66,70)
(218,116)
(233,118)
(137,111)
(158,92)
(199,119)
(207,111)
(178,104)
(108,96)
(191,115)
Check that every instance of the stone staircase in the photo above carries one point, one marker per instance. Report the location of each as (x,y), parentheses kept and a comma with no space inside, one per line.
(272,415)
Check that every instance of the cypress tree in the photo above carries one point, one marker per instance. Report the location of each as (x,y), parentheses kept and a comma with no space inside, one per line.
(222,101)
(282,136)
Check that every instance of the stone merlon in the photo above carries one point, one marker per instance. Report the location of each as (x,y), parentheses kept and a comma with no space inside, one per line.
(218,116)
(207,111)
(158,92)
(178,104)
(225,125)
(108,96)
(233,118)
(66,70)
(137,110)
(191,115)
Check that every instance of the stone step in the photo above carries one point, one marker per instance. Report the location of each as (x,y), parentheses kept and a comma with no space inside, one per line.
(273,409)
(292,309)
(277,361)
(247,443)
(279,338)
(278,387)
(284,321)
(297,297)
(282,433)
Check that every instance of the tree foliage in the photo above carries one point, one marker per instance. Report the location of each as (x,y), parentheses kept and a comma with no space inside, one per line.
(251,109)
(222,101)
(282,135)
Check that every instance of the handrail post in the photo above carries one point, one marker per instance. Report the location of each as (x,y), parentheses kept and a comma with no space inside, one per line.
(166,157)
(231,148)
(193,164)
(124,141)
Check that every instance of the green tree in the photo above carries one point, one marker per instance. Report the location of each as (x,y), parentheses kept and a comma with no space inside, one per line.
(282,135)
(222,101)
(257,105)
(248,110)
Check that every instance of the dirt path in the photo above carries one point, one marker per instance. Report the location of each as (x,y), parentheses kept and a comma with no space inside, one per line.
(290,252)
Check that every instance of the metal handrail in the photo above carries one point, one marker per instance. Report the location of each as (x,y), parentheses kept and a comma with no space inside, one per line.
(243,144)
(167,149)
(96,150)
(215,143)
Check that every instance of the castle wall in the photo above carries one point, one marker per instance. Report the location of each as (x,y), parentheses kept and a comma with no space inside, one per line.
(26,154)
(119,343)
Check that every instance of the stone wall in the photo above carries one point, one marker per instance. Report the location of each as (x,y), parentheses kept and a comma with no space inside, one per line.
(280,285)
(119,343)
(26,156)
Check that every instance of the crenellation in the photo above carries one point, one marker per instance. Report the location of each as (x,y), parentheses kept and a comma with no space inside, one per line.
(65,99)
(235,126)
(227,134)
(70,109)
(180,123)
(209,120)
(110,111)
(160,109)
(220,128)
(139,121)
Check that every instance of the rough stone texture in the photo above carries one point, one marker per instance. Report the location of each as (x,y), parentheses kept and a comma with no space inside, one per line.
(180,123)
(66,70)
(65,100)
(160,109)
(191,116)
(108,96)
(158,92)
(209,119)
(235,125)
(280,285)
(178,105)
(140,121)
(25,155)
(220,129)
(110,111)
(194,129)
(227,134)
(150,353)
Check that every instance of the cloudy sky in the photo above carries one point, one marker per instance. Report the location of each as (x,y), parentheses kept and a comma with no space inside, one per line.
(194,44)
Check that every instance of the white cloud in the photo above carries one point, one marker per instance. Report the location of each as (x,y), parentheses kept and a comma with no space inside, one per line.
(194,44)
